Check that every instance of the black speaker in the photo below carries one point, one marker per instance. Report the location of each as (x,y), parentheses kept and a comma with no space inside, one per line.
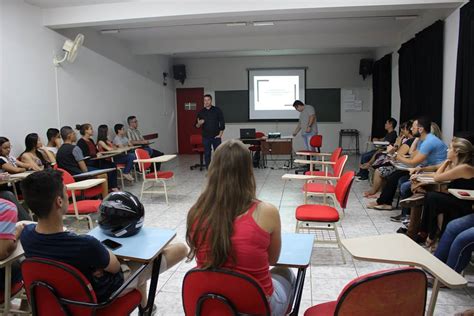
(179,73)
(365,67)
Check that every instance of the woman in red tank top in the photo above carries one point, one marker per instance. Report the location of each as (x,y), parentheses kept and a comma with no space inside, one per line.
(229,228)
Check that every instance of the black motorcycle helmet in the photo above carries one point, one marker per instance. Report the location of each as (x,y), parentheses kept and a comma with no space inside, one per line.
(121,214)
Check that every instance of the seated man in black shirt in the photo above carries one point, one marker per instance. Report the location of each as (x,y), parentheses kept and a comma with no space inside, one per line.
(390,137)
(211,119)
(46,196)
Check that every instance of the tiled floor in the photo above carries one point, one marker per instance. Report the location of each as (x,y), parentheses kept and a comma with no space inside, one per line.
(329,274)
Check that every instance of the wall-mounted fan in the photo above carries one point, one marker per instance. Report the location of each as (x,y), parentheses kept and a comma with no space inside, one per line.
(70,50)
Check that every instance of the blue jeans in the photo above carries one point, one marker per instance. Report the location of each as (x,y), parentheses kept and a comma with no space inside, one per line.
(127,160)
(457,243)
(365,157)
(207,142)
(405,192)
(306,140)
(111,175)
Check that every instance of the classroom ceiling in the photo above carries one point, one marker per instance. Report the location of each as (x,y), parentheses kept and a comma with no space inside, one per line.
(220,29)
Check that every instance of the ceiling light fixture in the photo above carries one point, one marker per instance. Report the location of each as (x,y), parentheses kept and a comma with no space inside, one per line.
(406,17)
(263,23)
(111,31)
(237,24)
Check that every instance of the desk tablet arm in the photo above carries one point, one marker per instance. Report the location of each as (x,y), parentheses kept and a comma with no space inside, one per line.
(109,301)
(290,176)
(311,153)
(315,162)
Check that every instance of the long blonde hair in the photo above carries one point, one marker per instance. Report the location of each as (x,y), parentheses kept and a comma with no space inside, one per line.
(229,192)
(464,150)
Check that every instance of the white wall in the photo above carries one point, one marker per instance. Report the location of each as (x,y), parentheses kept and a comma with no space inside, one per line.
(451,36)
(324,71)
(94,89)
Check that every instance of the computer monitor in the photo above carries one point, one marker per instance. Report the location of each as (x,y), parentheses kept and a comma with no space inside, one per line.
(247,133)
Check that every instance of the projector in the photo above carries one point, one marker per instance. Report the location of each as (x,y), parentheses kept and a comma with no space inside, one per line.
(274,135)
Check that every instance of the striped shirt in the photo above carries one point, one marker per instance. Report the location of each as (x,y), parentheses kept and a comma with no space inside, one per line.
(134,134)
(8,219)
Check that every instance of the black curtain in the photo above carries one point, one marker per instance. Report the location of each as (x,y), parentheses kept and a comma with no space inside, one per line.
(464,97)
(382,94)
(421,74)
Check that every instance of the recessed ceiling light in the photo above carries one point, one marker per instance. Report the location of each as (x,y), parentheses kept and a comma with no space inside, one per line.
(406,17)
(112,31)
(263,23)
(236,24)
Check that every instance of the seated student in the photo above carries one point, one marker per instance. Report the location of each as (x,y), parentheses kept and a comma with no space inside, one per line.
(441,207)
(36,154)
(390,137)
(71,159)
(8,163)
(457,243)
(430,151)
(46,196)
(89,149)
(54,140)
(10,231)
(136,138)
(103,143)
(401,147)
(121,139)
(232,229)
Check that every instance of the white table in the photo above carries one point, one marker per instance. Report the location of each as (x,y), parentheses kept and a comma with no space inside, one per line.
(400,249)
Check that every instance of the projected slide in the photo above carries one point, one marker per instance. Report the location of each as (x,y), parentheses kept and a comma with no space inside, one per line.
(273,91)
(276,92)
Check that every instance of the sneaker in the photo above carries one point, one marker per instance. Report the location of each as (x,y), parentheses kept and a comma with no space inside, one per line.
(397,218)
(412,201)
(405,221)
(128,177)
(402,230)
(362,178)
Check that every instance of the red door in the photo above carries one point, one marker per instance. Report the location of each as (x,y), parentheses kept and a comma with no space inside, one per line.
(188,101)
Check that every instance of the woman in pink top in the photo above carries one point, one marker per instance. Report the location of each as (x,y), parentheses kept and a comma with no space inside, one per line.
(237,231)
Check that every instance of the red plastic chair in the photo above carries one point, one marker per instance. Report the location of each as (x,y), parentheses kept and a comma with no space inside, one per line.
(198,148)
(333,159)
(154,176)
(326,188)
(80,209)
(56,289)
(324,217)
(221,292)
(256,147)
(391,292)
(316,141)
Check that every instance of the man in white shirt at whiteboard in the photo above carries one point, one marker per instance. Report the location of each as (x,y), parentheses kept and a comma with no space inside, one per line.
(307,123)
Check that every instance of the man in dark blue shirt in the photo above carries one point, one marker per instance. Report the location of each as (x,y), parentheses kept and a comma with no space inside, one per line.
(211,119)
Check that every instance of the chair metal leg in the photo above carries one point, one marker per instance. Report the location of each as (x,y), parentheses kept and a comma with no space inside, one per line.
(339,243)
(166,192)
(143,188)
(89,222)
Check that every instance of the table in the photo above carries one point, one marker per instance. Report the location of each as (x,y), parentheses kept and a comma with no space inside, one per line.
(145,247)
(93,173)
(296,251)
(164,158)
(400,249)
(455,192)
(7,264)
(277,146)
(15,177)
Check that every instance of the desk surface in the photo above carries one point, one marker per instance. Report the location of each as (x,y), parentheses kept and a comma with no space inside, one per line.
(92,173)
(400,166)
(164,158)
(142,247)
(455,192)
(296,250)
(84,184)
(400,249)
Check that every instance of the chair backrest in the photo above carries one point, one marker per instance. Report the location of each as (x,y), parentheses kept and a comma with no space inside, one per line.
(336,154)
(196,140)
(47,280)
(221,292)
(316,141)
(343,187)
(339,165)
(142,154)
(67,179)
(400,291)
(259,134)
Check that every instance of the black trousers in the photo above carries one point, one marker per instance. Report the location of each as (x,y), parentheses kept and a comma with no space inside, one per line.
(436,203)
(388,191)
